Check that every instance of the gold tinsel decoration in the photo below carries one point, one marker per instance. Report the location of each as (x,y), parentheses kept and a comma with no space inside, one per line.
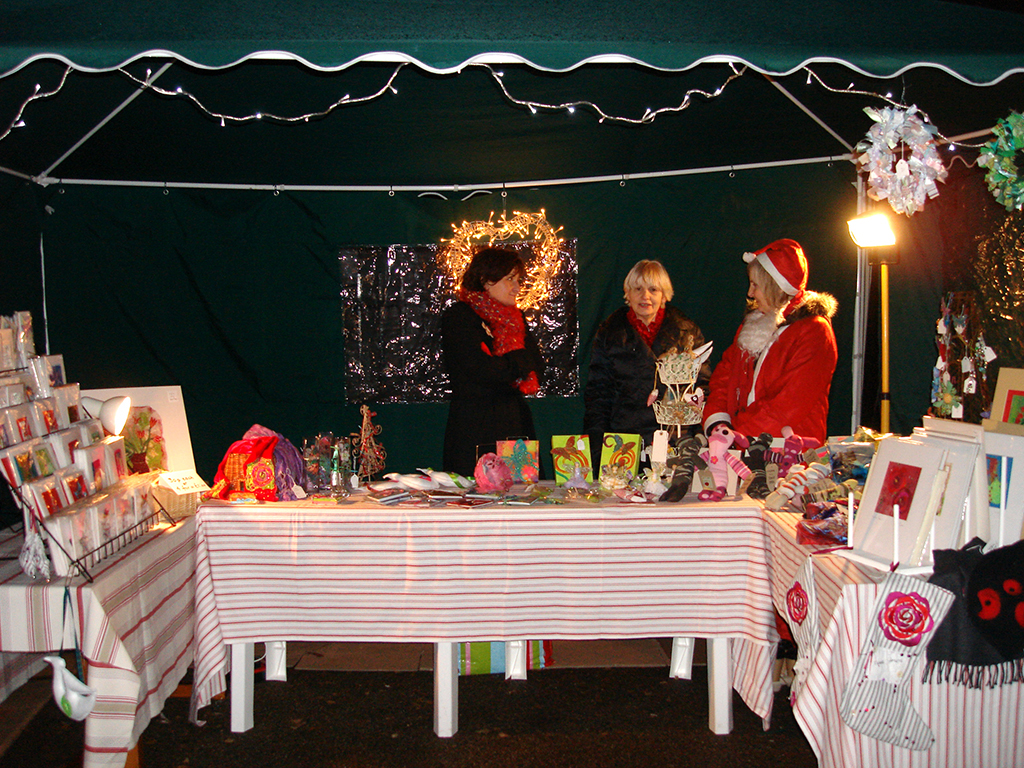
(999,274)
(540,271)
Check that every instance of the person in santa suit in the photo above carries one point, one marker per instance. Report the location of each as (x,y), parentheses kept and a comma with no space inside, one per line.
(778,370)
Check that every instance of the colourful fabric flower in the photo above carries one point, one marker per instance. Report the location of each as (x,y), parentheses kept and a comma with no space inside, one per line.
(796,603)
(906,618)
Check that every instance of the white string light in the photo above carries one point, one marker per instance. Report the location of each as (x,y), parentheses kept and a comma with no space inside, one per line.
(648,116)
(891,102)
(37,93)
(224,118)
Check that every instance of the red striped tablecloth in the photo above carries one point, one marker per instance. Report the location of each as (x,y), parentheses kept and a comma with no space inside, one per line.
(976,728)
(359,571)
(135,623)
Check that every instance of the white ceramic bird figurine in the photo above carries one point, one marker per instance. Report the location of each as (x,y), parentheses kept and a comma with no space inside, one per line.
(75,698)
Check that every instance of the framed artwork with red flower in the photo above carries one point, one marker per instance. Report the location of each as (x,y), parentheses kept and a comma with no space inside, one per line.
(1008,403)
(905,474)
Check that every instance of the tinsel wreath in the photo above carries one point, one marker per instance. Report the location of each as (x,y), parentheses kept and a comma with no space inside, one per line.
(998,272)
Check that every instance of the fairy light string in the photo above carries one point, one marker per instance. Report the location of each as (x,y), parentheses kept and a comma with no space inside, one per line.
(37,93)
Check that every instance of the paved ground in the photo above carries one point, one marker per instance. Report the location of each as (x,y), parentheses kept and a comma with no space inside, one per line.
(591,718)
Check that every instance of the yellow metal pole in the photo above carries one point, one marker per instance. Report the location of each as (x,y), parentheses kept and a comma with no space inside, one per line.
(883,280)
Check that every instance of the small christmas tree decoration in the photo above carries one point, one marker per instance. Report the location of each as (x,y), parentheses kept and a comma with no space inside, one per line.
(371,454)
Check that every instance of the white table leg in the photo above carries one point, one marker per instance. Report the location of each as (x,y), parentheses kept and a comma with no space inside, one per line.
(277,660)
(446,689)
(515,659)
(719,685)
(241,686)
(681,665)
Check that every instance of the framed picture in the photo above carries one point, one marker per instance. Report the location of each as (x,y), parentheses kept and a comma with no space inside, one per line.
(1008,403)
(965,500)
(906,476)
(1004,461)
(169,406)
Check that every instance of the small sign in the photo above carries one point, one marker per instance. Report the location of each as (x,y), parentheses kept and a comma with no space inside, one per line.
(183,481)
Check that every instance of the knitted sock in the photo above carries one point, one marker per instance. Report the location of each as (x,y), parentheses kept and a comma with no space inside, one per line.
(802,618)
(875,701)
(754,458)
(683,466)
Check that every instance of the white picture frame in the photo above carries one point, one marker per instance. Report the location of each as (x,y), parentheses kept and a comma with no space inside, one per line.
(168,403)
(1006,524)
(904,473)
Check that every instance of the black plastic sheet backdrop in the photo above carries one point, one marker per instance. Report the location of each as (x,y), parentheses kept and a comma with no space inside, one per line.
(392,300)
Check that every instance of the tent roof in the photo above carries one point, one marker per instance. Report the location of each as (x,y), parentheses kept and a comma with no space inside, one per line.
(876,37)
(451,120)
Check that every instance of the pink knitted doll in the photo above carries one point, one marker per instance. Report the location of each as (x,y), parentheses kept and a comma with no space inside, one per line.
(719,460)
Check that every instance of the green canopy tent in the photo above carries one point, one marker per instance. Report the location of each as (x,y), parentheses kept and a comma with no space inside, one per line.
(186,172)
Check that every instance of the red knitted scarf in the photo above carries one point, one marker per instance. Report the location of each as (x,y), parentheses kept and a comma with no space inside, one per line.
(647,332)
(507,327)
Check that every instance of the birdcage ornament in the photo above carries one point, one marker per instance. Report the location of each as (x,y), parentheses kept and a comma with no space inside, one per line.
(682,404)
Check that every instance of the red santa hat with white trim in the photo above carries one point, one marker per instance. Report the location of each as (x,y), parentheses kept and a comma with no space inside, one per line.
(784,260)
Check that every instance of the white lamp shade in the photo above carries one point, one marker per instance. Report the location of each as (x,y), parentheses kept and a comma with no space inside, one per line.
(871,231)
(112,413)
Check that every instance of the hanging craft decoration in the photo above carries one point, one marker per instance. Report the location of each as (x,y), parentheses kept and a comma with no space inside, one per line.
(1000,157)
(901,158)
(540,271)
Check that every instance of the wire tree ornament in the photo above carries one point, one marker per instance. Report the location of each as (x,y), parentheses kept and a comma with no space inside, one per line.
(454,257)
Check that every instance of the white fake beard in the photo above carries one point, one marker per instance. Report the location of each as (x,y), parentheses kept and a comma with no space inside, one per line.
(757,333)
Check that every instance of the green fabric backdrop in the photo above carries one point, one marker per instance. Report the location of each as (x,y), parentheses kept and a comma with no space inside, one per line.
(234,295)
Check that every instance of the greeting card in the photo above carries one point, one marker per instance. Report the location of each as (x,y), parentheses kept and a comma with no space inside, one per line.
(522,458)
(570,455)
(621,451)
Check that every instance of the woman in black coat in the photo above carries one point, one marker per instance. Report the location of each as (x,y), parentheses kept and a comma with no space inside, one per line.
(623,363)
(492,359)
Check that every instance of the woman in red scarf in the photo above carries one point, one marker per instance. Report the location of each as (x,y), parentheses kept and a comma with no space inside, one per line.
(492,359)
(627,345)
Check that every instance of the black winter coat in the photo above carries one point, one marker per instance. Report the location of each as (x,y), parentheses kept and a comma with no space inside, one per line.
(486,405)
(623,373)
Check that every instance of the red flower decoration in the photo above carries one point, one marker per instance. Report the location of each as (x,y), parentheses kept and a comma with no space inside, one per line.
(906,618)
(796,603)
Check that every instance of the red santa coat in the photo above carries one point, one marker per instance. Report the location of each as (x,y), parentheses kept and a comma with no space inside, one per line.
(787,385)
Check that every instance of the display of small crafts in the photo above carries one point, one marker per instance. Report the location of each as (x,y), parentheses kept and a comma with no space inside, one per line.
(960,378)
(683,402)
(325,455)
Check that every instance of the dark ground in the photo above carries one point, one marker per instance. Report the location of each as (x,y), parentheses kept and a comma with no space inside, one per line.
(592,718)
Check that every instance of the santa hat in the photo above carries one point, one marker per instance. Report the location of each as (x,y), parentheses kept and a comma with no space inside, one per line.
(784,260)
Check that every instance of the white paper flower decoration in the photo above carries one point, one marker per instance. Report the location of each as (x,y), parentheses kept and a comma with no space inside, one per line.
(901,159)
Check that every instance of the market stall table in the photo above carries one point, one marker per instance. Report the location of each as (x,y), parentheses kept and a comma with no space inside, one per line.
(134,621)
(978,727)
(360,571)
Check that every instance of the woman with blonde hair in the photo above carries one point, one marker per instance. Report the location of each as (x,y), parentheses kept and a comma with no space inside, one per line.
(778,371)
(623,364)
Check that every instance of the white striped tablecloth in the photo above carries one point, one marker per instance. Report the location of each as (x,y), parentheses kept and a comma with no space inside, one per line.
(974,728)
(363,572)
(135,624)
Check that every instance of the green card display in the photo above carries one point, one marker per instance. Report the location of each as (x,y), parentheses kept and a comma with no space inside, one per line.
(570,455)
(620,450)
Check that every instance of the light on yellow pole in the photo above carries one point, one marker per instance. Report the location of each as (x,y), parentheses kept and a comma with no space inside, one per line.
(883,287)
(873,231)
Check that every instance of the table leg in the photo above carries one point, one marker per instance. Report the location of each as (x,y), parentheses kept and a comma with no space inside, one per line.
(241,686)
(446,689)
(515,659)
(681,665)
(277,660)
(719,685)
